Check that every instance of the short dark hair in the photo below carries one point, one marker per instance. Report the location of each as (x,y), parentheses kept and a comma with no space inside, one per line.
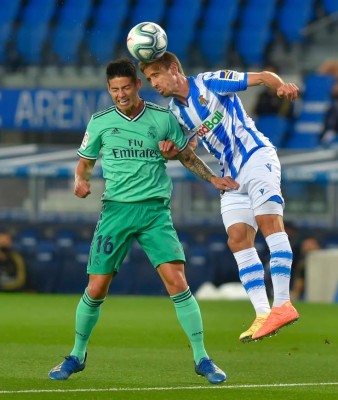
(166,60)
(123,67)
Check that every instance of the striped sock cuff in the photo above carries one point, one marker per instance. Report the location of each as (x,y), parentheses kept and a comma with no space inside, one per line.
(91,302)
(180,297)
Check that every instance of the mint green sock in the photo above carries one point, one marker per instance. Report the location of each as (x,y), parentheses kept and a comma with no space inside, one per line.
(87,315)
(189,316)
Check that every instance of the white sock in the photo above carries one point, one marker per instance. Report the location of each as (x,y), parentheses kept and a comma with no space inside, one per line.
(280,266)
(251,273)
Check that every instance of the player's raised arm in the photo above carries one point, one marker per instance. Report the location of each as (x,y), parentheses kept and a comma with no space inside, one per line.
(274,81)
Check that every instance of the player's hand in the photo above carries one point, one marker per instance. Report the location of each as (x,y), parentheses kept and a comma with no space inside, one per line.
(168,149)
(226,183)
(288,90)
(81,188)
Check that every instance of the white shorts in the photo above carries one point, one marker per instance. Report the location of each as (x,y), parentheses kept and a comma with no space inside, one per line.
(260,180)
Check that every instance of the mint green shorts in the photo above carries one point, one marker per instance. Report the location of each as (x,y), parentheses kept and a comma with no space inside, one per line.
(148,222)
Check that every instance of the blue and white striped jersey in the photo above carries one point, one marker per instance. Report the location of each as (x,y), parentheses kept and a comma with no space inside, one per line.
(215,113)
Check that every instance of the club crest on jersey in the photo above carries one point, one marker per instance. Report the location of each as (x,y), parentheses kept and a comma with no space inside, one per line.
(152,132)
(202,100)
(229,75)
(209,124)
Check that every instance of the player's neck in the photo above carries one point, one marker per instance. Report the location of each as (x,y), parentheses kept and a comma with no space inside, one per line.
(132,113)
(182,91)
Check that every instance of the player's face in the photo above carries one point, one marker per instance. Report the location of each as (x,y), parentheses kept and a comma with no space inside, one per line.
(125,94)
(161,79)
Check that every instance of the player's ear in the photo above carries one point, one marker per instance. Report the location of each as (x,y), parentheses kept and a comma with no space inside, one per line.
(173,68)
(139,83)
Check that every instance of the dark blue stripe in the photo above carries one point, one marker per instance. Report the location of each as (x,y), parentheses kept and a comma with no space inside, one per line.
(254,284)
(185,116)
(251,269)
(280,270)
(276,198)
(282,254)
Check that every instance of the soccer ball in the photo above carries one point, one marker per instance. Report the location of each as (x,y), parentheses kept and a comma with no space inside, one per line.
(147,41)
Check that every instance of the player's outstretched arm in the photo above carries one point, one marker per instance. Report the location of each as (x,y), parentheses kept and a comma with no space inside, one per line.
(194,164)
(83,172)
(283,89)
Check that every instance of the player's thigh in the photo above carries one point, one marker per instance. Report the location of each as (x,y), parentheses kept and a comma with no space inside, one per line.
(158,238)
(263,177)
(112,238)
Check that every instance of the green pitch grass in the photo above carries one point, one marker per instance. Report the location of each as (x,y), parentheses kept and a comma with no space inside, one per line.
(138,351)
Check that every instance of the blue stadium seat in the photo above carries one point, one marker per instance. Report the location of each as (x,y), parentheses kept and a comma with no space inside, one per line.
(216,33)
(186,240)
(274,127)
(145,280)
(102,44)
(125,281)
(75,12)
(27,240)
(65,42)
(309,125)
(251,45)
(222,263)
(8,13)
(73,277)
(38,11)
(104,36)
(318,87)
(255,33)
(303,141)
(9,10)
(258,14)
(182,17)
(147,10)
(102,14)
(30,42)
(330,6)
(198,268)
(293,16)
(43,273)
(5,35)
(65,241)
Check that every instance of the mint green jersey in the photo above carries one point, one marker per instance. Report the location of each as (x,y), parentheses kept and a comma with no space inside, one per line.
(132,164)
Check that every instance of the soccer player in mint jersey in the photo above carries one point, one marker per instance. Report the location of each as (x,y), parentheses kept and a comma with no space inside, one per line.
(135,206)
(207,107)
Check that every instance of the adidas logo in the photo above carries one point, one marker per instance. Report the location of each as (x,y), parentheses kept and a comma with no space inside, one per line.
(114,131)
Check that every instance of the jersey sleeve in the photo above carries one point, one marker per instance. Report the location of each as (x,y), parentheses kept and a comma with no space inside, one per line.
(91,143)
(176,134)
(225,81)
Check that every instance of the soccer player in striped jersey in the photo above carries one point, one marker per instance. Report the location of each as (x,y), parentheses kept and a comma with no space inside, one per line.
(208,108)
(135,206)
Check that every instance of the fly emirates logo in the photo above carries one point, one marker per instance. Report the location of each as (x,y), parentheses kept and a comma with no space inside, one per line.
(209,124)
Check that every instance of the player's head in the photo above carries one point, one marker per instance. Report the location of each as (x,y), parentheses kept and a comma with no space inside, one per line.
(164,73)
(165,61)
(123,67)
(123,84)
